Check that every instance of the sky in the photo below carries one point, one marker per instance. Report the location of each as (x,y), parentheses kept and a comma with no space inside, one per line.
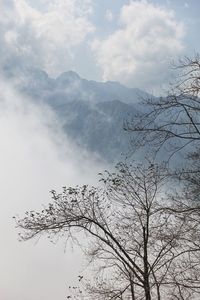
(133,42)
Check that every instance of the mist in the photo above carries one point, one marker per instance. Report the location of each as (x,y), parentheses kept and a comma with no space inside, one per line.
(35,157)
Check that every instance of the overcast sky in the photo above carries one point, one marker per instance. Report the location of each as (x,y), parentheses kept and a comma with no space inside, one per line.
(133,42)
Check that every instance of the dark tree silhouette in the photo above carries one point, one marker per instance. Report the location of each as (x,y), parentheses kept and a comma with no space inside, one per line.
(172,122)
(140,246)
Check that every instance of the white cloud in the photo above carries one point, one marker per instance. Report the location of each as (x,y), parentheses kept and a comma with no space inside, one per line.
(44,34)
(139,52)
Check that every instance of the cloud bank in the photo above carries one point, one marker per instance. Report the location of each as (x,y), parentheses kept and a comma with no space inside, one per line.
(35,158)
(138,53)
(43,33)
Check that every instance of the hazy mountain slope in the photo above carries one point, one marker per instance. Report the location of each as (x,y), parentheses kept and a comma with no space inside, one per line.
(70,86)
(98,127)
(92,113)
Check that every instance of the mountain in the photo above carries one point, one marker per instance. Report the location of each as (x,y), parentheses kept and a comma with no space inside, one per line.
(70,86)
(98,127)
(91,113)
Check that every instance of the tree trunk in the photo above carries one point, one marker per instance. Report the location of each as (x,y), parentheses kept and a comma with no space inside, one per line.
(146,268)
(147,292)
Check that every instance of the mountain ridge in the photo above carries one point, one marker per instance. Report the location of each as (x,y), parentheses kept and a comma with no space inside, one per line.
(91,113)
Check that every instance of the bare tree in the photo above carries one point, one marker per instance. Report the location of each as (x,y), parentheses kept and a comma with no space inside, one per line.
(171,125)
(141,247)
(172,122)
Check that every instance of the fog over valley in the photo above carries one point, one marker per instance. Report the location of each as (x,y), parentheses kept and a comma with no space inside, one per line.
(36,158)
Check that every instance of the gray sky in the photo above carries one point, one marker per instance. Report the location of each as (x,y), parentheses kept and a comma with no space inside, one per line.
(133,42)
